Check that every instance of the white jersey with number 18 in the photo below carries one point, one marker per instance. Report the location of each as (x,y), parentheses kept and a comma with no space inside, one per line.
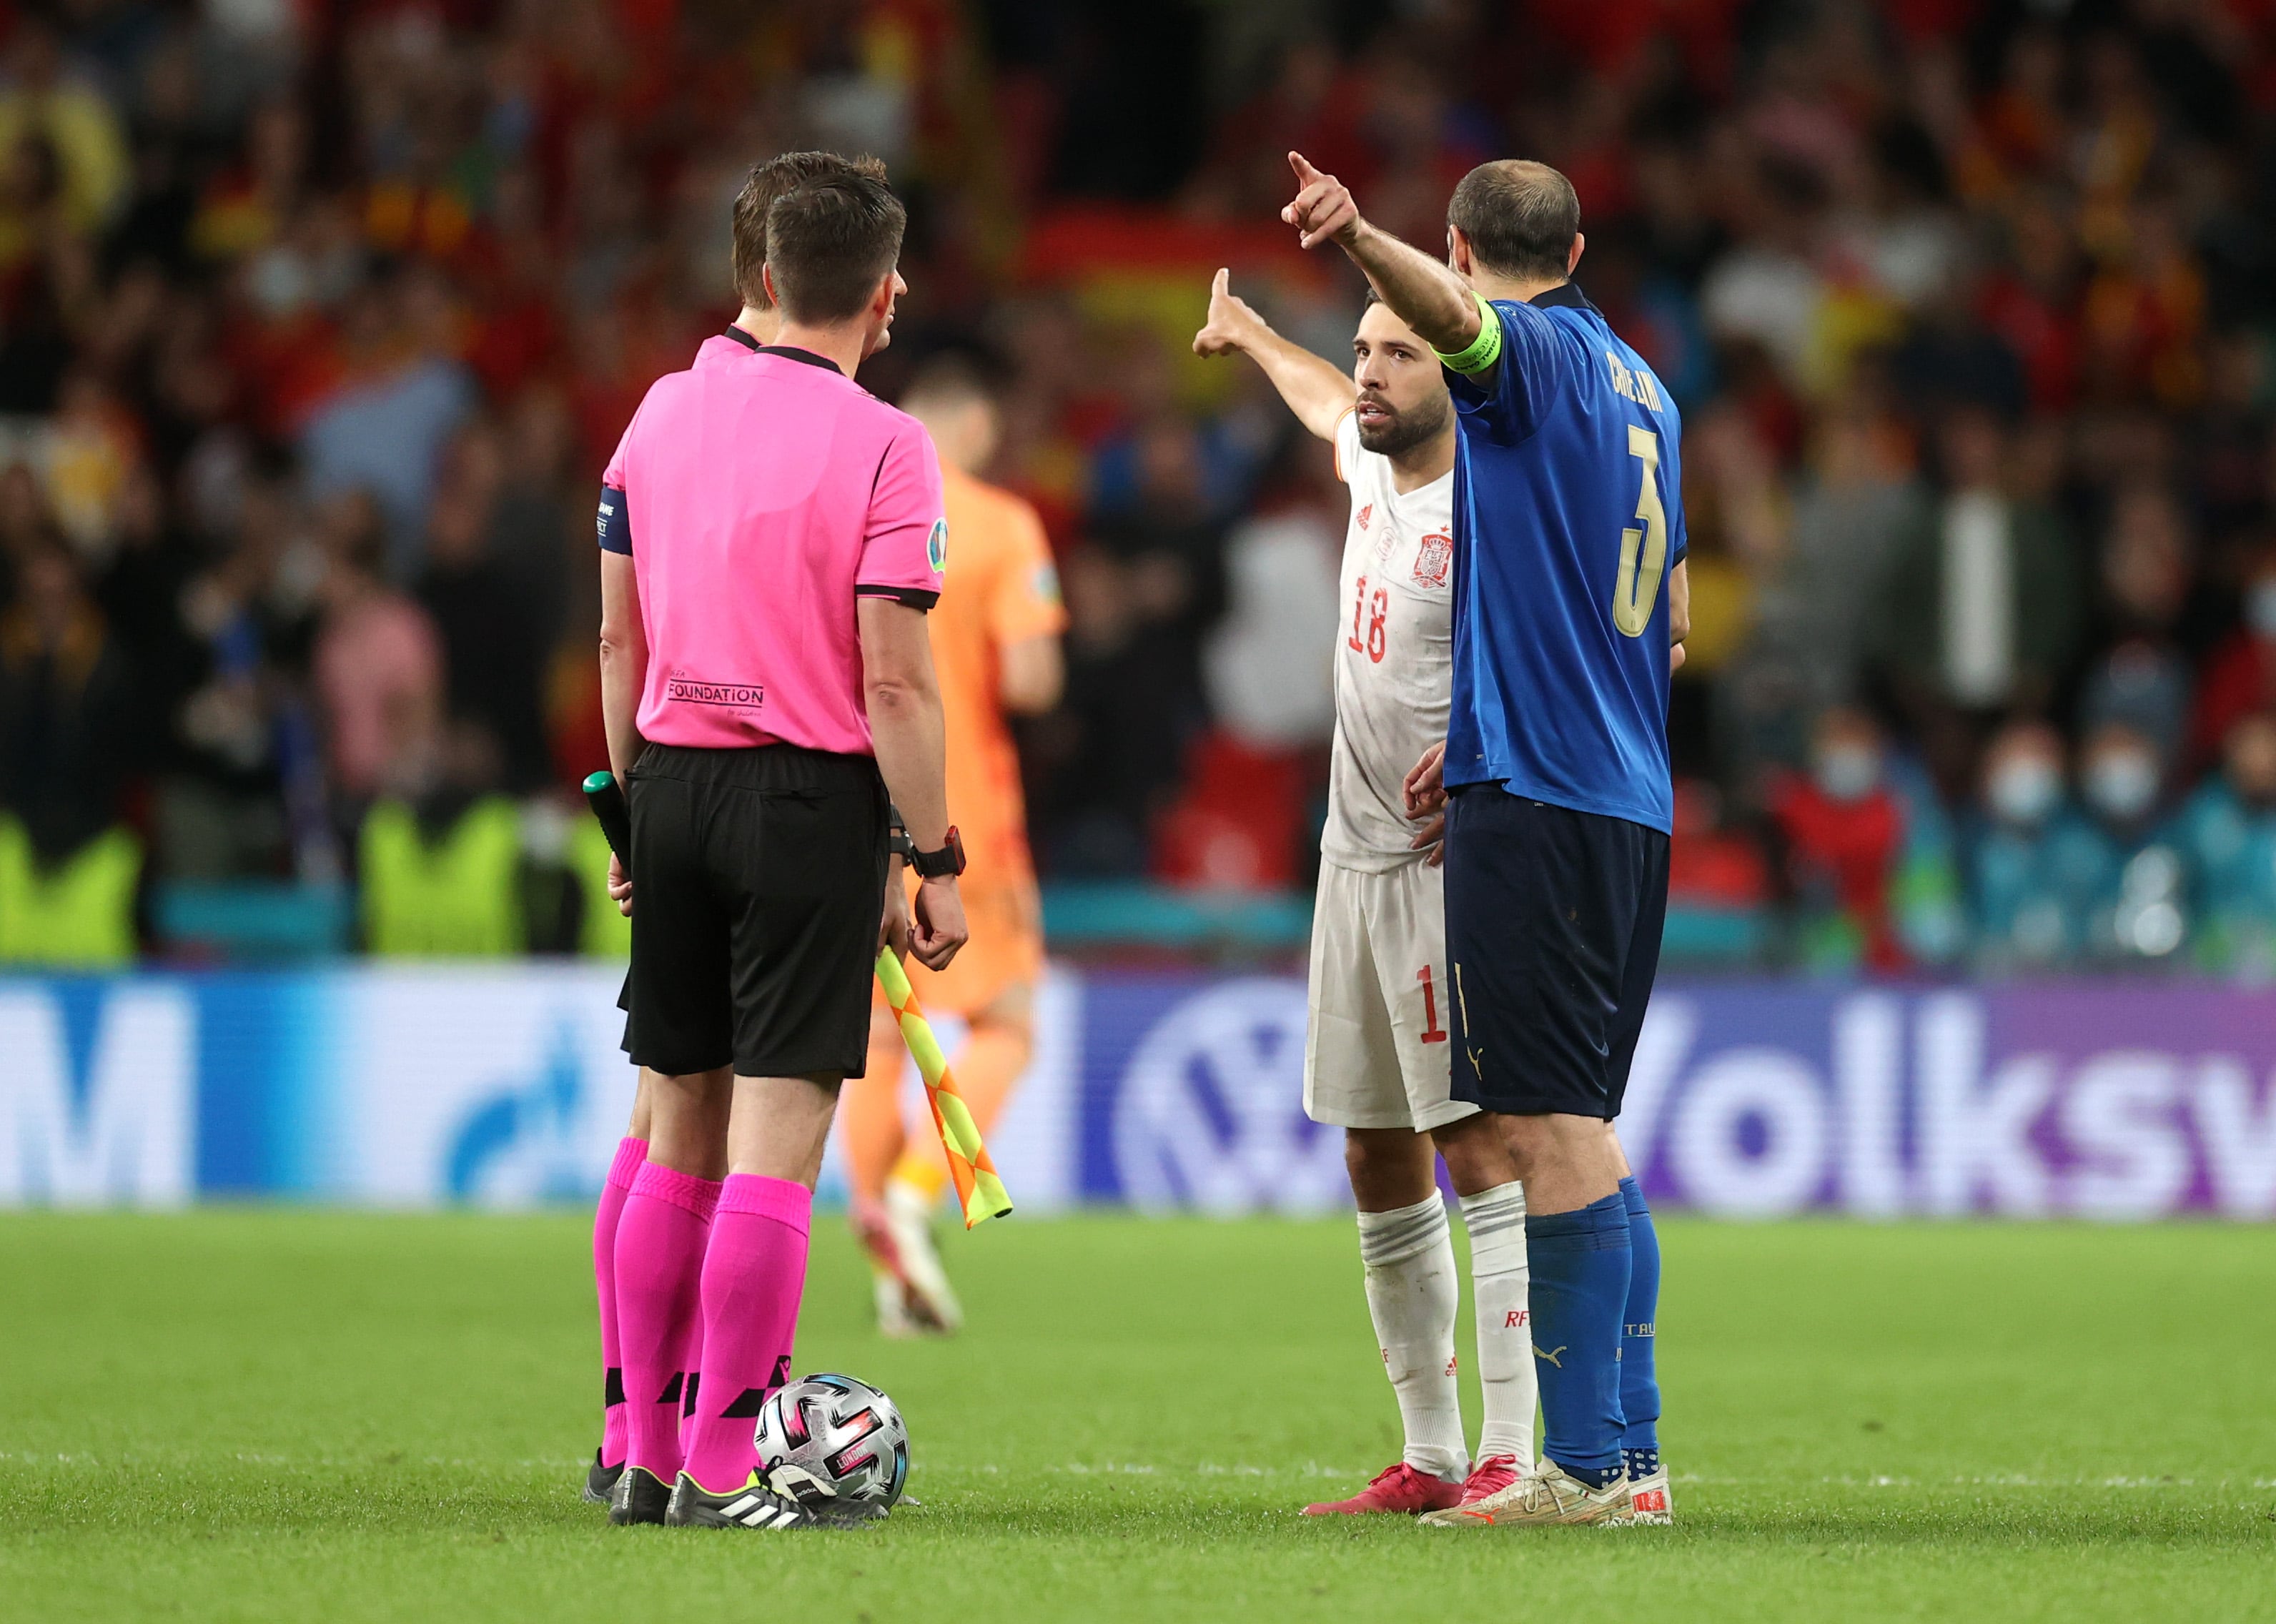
(1394,652)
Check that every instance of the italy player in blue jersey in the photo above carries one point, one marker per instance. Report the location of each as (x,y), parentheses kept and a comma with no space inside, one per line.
(1571,599)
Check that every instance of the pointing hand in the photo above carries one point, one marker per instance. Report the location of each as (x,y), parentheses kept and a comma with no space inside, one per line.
(1230,321)
(1322,209)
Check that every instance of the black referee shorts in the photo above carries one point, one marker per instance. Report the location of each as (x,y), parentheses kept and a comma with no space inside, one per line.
(1553,922)
(758,881)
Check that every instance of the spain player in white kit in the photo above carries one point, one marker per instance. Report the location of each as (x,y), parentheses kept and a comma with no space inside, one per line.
(1375,1053)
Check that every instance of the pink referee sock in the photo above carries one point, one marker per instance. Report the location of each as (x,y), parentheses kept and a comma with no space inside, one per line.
(754,1275)
(660,1244)
(631,1153)
(691,1359)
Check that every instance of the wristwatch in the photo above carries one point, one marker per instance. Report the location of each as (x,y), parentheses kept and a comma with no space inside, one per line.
(946,863)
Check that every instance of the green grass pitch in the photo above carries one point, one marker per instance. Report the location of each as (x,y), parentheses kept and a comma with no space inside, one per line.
(275,1414)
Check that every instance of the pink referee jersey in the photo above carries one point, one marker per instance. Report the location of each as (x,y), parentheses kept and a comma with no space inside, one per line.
(760,493)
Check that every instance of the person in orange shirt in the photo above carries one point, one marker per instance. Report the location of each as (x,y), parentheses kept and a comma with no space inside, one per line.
(995,650)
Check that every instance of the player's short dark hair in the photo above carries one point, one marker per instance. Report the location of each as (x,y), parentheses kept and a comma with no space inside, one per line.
(950,377)
(828,244)
(783,173)
(1521,218)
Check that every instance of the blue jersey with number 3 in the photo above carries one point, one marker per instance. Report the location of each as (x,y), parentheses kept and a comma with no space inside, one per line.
(1569,516)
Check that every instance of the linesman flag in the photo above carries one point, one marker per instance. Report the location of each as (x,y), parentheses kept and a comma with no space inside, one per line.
(978,1190)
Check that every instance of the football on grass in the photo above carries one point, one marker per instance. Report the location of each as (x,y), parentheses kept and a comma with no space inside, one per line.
(832,1440)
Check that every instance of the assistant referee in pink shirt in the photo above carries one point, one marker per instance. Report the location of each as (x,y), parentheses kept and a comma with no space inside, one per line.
(771,537)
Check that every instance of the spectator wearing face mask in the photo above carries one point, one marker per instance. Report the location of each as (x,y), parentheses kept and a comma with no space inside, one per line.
(1867,864)
(2227,836)
(2033,864)
(2241,676)
(2136,912)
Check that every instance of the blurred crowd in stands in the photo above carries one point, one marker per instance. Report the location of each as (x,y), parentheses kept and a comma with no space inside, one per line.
(318,320)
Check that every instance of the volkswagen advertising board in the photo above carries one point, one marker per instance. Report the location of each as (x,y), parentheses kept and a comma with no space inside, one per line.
(504,1086)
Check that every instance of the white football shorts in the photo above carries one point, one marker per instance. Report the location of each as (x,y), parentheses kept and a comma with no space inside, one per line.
(1376,1045)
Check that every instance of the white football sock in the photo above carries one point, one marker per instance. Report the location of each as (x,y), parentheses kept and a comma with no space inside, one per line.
(1412,1295)
(1499,1281)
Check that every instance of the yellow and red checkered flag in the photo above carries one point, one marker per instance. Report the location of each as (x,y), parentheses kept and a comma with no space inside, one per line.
(979,1192)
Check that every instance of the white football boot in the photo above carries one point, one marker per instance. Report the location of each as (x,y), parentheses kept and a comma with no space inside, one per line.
(929,1298)
(1649,1505)
(893,1317)
(1545,1495)
(912,1295)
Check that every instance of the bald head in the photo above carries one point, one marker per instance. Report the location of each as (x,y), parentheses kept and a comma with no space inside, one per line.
(1520,219)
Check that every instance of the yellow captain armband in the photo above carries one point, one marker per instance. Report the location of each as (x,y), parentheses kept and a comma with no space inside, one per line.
(1483,350)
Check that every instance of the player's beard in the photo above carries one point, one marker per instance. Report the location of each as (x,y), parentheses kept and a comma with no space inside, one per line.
(1408,428)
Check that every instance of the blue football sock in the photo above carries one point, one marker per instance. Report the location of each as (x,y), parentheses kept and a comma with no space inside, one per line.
(1639,1382)
(1580,1264)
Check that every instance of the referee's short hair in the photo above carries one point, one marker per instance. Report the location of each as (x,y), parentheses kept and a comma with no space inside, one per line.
(783,173)
(829,243)
(1521,218)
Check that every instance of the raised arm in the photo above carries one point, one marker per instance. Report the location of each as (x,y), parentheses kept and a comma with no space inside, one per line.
(1317,392)
(1426,294)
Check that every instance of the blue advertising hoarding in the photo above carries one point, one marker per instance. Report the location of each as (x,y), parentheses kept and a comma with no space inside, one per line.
(504,1086)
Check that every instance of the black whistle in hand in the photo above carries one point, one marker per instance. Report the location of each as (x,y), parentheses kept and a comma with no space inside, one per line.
(606,797)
